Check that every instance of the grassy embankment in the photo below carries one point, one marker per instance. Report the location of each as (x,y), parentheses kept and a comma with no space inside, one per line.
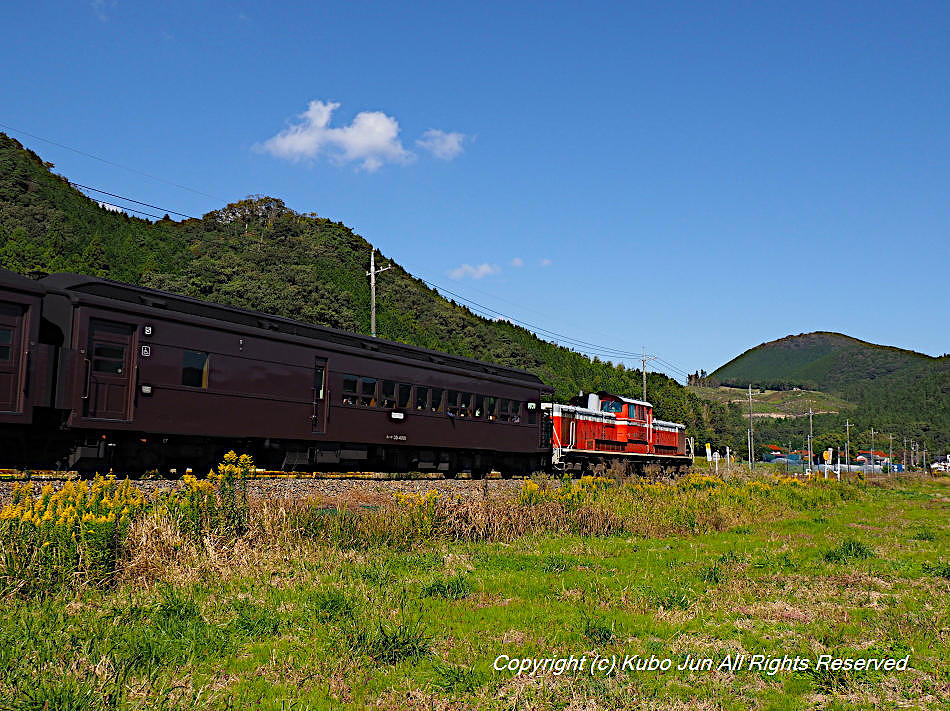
(201,600)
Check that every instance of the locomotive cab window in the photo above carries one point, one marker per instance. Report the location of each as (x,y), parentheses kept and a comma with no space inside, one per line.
(350,385)
(6,340)
(108,359)
(532,413)
(194,368)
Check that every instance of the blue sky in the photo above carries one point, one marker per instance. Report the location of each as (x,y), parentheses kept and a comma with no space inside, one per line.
(695,178)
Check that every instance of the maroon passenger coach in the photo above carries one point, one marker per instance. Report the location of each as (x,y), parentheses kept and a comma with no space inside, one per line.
(95,374)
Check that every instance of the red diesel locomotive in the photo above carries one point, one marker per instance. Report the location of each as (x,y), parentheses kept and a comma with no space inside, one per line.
(603,431)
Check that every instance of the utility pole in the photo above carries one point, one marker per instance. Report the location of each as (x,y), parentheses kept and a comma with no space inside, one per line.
(872,450)
(643,369)
(373,271)
(904,450)
(890,455)
(751,431)
(811,438)
(847,447)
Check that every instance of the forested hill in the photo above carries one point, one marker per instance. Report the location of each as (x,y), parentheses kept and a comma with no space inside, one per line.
(259,254)
(894,390)
(831,362)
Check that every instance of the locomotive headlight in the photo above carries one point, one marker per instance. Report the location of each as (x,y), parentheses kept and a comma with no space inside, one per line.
(397,415)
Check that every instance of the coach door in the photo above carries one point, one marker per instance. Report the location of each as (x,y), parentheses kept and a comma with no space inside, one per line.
(11,339)
(109,368)
(320,396)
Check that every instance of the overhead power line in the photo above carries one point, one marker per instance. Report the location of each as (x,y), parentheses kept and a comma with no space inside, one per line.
(587,346)
(566,339)
(590,348)
(137,202)
(129,209)
(112,163)
(606,351)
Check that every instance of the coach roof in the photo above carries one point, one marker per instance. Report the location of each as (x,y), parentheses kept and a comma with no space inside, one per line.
(186,305)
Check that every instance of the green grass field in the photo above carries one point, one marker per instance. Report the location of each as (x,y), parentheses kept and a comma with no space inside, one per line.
(410,607)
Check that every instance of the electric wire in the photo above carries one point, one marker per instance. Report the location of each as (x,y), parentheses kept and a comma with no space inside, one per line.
(593,348)
(590,348)
(587,346)
(129,209)
(137,202)
(540,329)
(109,162)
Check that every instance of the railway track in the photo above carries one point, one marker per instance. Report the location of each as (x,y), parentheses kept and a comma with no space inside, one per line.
(52,475)
(334,491)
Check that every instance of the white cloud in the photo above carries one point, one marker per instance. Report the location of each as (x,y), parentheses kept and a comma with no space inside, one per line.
(100,6)
(477,272)
(545,262)
(517,262)
(442,144)
(372,138)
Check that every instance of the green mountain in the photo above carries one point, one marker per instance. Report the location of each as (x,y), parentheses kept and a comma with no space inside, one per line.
(259,254)
(893,390)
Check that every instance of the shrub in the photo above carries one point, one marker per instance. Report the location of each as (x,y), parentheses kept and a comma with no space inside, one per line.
(454,588)
(849,549)
(598,632)
(392,642)
(255,620)
(939,569)
(453,678)
(331,604)
(74,534)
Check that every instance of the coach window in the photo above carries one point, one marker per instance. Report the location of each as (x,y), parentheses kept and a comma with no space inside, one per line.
(367,392)
(436,404)
(350,384)
(479,406)
(6,338)
(389,394)
(465,405)
(491,408)
(405,395)
(532,413)
(452,403)
(422,398)
(194,369)
(516,411)
(502,409)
